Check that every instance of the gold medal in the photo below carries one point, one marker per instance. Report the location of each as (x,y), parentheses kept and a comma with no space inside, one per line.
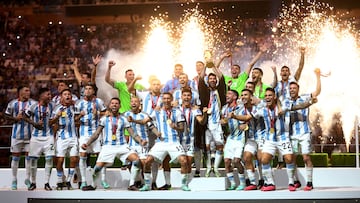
(113,137)
(188,129)
(272,130)
(168,121)
(246,127)
(63,114)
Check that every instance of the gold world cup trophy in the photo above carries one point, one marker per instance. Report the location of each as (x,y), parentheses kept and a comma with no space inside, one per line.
(209,62)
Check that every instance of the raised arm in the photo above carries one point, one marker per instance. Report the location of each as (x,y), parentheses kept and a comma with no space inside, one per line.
(76,70)
(301,64)
(222,57)
(318,83)
(107,74)
(96,61)
(131,87)
(275,80)
(255,59)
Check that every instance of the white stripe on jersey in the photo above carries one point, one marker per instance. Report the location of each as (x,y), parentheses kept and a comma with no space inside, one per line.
(66,121)
(282,89)
(20,130)
(141,130)
(167,133)
(187,137)
(44,113)
(149,102)
(195,100)
(233,124)
(299,119)
(118,124)
(89,122)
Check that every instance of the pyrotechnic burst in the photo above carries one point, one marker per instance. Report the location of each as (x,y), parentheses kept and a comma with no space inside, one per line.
(332,45)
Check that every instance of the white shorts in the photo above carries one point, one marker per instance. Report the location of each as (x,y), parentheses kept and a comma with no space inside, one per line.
(284,147)
(301,144)
(95,147)
(251,146)
(19,145)
(161,149)
(42,146)
(109,152)
(141,151)
(67,147)
(216,134)
(189,149)
(234,149)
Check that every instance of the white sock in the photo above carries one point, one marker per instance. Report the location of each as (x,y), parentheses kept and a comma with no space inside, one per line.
(290,172)
(14,167)
(70,174)
(309,174)
(33,169)
(103,174)
(147,179)
(242,179)
(218,159)
(27,167)
(267,172)
(251,176)
(208,160)
(230,176)
(82,167)
(48,168)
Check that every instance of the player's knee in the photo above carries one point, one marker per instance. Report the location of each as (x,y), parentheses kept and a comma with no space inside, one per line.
(137,163)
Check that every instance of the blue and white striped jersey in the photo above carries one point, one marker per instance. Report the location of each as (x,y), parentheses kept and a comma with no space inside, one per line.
(149,101)
(141,130)
(195,100)
(114,129)
(90,121)
(190,114)
(44,113)
(168,134)
(299,119)
(214,108)
(282,89)
(276,126)
(233,124)
(66,121)
(20,130)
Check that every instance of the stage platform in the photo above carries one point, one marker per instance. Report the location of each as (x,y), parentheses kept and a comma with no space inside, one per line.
(331,185)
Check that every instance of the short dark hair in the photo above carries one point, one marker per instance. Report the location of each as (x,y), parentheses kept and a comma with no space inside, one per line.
(284,67)
(128,70)
(43,89)
(259,69)
(244,90)
(236,65)
(20,87)
(235,92)
(64,90)
(186,89)
(270,89)
(168,93)
(212,74)
(115,98)
(295,83)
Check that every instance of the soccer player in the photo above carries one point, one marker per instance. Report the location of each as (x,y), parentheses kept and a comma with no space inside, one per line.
(235,141)
(20,134)
(282,87)
(237,79)
(170,123)
(62,85)
(66,142)
(192,114)
(142,124)
(173,84)
(123,87)
(300,135)
(90,108)
(40,115)
(213,97)
(112,127)
(184,83)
